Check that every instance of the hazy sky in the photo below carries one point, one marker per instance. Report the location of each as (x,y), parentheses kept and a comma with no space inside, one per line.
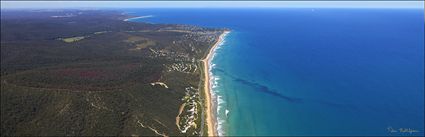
(211,4)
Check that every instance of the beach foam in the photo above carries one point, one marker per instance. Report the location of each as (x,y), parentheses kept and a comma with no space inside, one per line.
(216,98)
(227,113)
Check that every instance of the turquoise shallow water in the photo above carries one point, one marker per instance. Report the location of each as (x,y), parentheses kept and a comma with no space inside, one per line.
(314,72)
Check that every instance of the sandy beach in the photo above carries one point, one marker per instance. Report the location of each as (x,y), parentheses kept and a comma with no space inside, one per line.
(139,17)
(210,112)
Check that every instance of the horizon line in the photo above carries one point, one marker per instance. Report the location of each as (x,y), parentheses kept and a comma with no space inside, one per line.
(209,4)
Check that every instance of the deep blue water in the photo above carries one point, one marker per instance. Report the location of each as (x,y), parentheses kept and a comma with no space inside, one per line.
(314,72)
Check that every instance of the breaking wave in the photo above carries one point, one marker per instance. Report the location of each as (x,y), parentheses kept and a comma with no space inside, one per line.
(217,99)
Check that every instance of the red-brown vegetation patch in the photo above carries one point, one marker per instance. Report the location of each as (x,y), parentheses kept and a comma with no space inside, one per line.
(107,76)
(88,74)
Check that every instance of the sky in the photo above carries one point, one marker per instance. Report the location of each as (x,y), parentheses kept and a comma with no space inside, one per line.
(211,4)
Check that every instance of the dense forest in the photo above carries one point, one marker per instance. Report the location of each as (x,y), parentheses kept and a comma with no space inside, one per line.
(88,72)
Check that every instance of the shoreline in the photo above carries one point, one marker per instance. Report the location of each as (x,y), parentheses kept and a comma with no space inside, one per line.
(210,108)
(138,17)
(210,113)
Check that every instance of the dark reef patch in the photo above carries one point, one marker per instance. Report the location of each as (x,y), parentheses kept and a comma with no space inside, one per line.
(262,88)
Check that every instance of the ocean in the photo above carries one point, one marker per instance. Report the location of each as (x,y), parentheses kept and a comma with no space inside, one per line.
(306,71)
